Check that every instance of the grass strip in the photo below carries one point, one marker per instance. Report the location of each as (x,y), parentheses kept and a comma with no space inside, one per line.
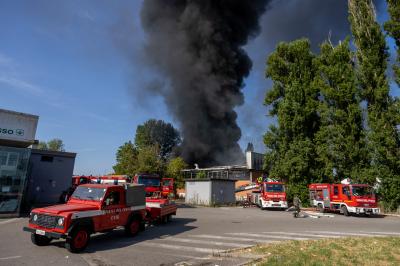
(342,251)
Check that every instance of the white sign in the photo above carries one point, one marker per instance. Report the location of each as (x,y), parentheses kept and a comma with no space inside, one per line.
(17,126)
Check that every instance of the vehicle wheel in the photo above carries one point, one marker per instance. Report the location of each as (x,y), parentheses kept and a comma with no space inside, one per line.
(78,240)
(133,226)
(344,210)
(169,218)
(320,208)
(40,240)
(164,219)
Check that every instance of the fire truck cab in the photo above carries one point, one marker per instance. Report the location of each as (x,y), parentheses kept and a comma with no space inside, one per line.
(270,194)
(346,198)
(92,208)
(151,182)
(167,188)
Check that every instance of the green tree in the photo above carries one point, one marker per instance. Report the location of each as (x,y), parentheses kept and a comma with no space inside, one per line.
(174,168)
(393,28)
(126,159)
(383,114)
(157,132)
(340,139)
(294,101)
(52,145)
(42,145)
(149,160)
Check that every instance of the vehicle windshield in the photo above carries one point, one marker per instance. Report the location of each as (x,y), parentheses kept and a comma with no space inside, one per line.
(89,193)
(274,188)
(167,182)
(152,182)
(360,191)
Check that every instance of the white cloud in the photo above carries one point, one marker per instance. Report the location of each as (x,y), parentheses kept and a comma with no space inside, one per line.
(21,85)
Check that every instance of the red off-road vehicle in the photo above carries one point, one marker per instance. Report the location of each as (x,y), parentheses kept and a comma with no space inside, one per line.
(95,208)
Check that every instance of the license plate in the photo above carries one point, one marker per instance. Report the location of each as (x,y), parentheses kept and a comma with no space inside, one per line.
(276,205)
(40,232)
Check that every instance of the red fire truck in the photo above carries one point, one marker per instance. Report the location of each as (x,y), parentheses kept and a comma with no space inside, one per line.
(167,188)
(346,198)
(270,194)
(152,182)
(96,208)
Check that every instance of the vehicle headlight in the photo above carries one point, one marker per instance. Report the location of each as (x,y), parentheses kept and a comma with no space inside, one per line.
(35,217)
(60,221)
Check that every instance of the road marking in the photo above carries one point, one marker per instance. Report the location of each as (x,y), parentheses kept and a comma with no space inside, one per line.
(345,233)
(303,234)
(10,258)
(383,233)
(183,248)
(269,236)
(256,240)
(196,241)
(10,221)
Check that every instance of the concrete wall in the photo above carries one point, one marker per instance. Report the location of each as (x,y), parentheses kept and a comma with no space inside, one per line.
(210,191)
(223,192)
(49,175)
(198,192)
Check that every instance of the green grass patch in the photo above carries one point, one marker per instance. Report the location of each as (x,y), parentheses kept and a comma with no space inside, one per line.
(343,251)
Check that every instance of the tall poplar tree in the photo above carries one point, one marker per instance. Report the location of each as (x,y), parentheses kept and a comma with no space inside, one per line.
(383,137)
(339,141)
(294,101)
(393,28)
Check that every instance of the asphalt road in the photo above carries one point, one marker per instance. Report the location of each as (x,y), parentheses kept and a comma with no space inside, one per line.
(195,236)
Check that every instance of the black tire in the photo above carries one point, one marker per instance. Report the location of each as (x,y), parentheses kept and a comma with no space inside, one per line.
(133,226)
(169,218)
(78,240)
(344,211)
(320,208)
(39,240)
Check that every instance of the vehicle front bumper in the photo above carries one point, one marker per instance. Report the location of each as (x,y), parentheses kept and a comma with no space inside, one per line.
(46,233)
(363,210)
(274,204)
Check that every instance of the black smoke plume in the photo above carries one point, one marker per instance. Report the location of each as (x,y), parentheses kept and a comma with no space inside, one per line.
(197,46)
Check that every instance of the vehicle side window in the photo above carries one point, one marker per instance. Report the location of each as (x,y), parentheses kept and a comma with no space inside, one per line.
(112,199)
(345,191)
(335,190)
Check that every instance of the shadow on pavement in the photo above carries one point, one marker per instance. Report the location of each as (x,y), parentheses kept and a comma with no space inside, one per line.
(117,239)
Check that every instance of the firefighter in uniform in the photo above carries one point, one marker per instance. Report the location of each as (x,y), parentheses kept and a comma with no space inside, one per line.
(296,204)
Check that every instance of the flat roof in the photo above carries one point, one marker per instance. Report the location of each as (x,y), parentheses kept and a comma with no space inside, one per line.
(54,153)
(217,168)
(18,113)
(208,179)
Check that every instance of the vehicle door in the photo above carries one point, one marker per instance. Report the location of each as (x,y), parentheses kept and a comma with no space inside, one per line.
(325,194)
(335,193)
(112,207)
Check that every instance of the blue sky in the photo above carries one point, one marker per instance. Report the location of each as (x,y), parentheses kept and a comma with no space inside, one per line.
(62,60)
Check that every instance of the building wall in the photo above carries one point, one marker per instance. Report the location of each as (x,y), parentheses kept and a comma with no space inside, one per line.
(222,192)
(49,175)
(198,192)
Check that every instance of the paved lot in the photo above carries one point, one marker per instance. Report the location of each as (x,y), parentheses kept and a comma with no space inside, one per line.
(193,237)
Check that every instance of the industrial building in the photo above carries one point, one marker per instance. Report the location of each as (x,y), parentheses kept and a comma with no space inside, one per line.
(28,176)
(217,185)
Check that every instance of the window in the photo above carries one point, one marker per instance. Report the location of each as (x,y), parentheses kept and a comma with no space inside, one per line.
(47,158)
(346,191)
(335,190)
(12,159)
(112,198)
(3,158)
